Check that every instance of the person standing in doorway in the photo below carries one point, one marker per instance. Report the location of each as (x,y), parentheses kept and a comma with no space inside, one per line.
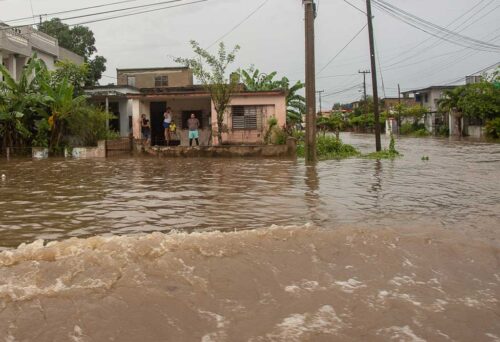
(166,124)
(145,128)
(193,125)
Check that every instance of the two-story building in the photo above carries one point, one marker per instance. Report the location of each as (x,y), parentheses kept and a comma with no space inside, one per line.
(17,45)
(151,91)
(429,99)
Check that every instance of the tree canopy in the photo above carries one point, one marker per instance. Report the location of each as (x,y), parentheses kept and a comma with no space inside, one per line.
(80,40)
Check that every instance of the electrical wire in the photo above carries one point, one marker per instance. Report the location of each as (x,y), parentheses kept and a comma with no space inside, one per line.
(110,11)
(433,29)
(140,12)
(70,11)
(341,50)
(239,24)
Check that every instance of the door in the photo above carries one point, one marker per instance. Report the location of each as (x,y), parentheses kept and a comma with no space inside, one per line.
(157,109)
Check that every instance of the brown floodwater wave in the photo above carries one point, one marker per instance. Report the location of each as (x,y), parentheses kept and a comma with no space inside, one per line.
(148,249)
(276,284)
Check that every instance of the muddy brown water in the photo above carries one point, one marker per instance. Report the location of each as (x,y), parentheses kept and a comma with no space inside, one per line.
(254,250)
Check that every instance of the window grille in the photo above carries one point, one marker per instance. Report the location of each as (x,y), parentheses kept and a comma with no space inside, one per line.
(161,81)
(246,117)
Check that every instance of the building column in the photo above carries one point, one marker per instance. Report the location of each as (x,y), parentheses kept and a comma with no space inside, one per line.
(136,118)
(12,66)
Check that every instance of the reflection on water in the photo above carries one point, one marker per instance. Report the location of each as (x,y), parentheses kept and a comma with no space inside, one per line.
(457,188)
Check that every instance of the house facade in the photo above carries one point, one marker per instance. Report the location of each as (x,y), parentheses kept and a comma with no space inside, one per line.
(429,99)
(151,91)
(17,44)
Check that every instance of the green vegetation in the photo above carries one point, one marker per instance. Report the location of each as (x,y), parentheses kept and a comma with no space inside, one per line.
(211,71)
(478,101)
(493,128)
(254,80)
(80,40)
(390,153)
(46,109)
(329,147)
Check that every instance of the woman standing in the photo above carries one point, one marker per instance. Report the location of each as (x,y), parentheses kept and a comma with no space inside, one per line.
(166,124)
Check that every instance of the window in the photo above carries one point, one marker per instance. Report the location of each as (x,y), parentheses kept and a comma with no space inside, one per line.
(161,81)
(131,81)
(246,117)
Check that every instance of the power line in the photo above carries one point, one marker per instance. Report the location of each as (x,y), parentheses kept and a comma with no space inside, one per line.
(111,11)
(333,58)
(239,24)
(433,29)
(355,7)
(69,11)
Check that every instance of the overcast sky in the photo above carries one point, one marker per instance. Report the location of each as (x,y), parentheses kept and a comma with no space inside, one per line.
(273,38)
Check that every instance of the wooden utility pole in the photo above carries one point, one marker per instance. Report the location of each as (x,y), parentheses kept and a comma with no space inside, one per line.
(310,139)
(364,72)
(319,92)
(378,144)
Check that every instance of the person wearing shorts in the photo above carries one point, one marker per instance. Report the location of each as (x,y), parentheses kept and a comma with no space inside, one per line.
(166,124)
(193,125)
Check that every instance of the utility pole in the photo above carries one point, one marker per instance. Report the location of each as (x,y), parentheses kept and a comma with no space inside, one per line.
(364,72)
(378,144)
(320,92)
(310,139)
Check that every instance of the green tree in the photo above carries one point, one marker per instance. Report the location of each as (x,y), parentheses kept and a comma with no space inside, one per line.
(80,40)
(211,70)
(75,74)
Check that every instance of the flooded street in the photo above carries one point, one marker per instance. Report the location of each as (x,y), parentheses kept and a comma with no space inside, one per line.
(252,249)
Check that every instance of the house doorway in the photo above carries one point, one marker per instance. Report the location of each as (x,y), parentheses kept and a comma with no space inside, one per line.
(157,109)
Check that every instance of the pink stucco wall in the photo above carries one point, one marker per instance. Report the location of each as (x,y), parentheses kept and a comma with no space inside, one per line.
(274,105)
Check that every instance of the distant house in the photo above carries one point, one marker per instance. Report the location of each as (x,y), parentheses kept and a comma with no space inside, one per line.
(429,98)
(17,44)
(150,91)
(389,103)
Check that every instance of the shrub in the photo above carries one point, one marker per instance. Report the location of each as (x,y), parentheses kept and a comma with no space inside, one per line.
(329,147)
(88,126)
(492,128)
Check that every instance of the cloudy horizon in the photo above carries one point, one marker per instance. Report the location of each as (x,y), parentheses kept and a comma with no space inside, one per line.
(271,36)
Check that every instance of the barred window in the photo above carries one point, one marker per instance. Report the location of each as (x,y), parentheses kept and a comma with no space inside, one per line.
(161,81)
(246,117)
(131,81)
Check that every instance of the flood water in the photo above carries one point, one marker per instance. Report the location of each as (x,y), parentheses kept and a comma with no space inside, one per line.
(254,249)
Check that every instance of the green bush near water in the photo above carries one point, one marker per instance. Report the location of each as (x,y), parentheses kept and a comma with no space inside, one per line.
(329,147)
(492,128)
(390,153)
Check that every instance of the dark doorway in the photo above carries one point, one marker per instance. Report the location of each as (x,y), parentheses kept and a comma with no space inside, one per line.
(157,109)
(114,124)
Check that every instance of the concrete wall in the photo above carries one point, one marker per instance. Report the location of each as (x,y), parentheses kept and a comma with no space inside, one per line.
(146,78)
(66,55)
(49,60)
(274,105)
(476,131)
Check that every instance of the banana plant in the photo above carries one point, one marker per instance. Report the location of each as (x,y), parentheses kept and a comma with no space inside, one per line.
(20,102)
(62,104)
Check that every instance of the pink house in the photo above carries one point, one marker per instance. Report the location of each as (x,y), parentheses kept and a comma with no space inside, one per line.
(150,91)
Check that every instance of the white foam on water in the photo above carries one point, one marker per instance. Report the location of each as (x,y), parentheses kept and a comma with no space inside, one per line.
(304,286)
(221,324)
(350,285)
(493,337)
(77,335)
(404,334)
(297,327)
